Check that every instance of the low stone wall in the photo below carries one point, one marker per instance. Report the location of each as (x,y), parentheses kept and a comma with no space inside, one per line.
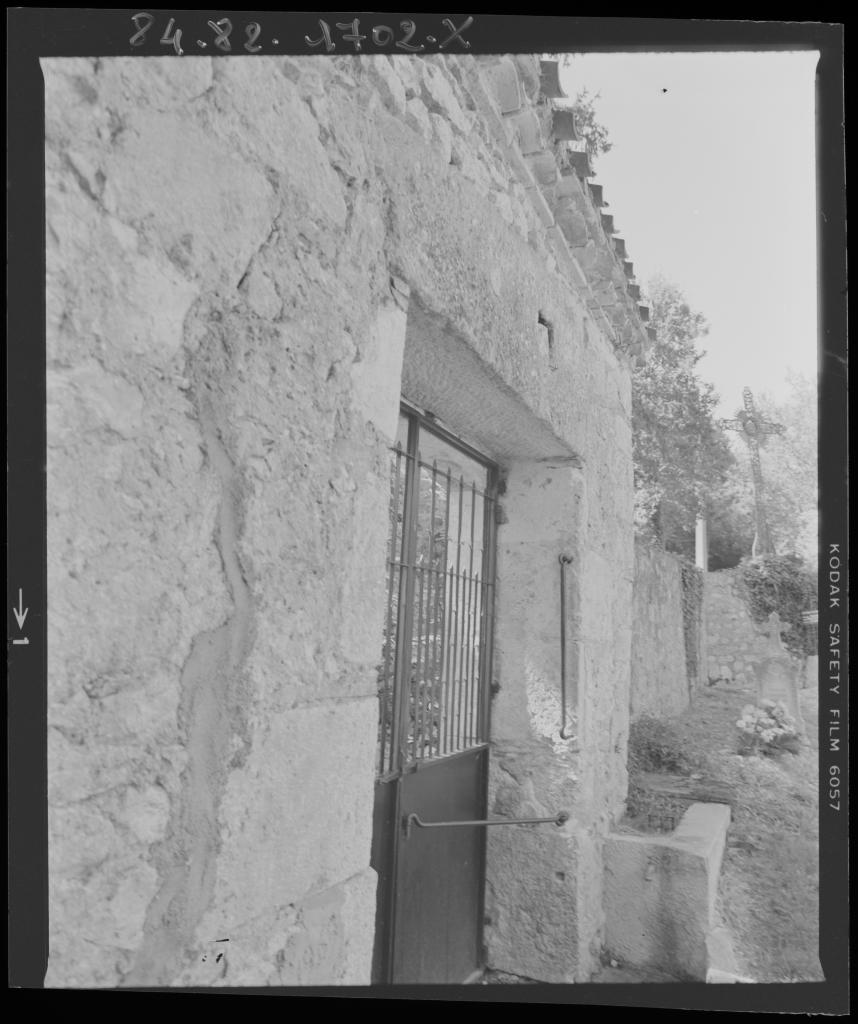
(734,642)
(660,893)
(659,679)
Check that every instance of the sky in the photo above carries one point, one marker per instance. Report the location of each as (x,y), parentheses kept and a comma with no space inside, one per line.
(711,181)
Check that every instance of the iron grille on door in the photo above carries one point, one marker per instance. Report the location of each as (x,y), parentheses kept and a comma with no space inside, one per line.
(440,594)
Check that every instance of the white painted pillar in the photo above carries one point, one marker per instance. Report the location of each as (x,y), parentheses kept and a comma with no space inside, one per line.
(701,544)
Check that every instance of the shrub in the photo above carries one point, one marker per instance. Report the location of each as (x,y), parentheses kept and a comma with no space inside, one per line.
(782,584)
(655,747)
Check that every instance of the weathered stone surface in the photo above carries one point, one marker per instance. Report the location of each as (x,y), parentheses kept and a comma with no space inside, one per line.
(225,362)
(322,939)
(505,85)
(659,684)
(660,893)
(441,97)
(777,680)
(733,638)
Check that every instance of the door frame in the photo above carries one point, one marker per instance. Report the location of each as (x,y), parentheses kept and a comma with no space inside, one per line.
(387,833)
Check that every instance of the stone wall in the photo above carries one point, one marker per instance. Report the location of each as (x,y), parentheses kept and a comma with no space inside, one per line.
(226,354)
(734,641)
(660,683)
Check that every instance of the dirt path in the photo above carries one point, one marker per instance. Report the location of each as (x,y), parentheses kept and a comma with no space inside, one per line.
(769,891)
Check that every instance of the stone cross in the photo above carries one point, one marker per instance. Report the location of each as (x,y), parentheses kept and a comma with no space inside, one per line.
(754,430)
(776,672)
(774,629)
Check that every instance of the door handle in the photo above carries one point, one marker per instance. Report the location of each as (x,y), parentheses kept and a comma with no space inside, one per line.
(408,820)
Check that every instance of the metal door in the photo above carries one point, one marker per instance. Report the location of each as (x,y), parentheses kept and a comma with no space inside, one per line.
(433,708)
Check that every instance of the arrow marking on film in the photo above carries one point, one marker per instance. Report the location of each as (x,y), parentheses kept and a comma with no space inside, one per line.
(20,611)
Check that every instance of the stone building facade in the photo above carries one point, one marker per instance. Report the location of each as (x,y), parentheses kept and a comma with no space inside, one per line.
(250,264)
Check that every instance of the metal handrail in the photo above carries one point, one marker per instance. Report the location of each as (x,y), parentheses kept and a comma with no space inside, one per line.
(564,728)
(413,819)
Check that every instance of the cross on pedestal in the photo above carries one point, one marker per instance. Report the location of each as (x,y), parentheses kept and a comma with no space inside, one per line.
(754,430)
(774,629)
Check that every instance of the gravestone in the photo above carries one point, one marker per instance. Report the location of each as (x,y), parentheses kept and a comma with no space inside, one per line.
(777,676)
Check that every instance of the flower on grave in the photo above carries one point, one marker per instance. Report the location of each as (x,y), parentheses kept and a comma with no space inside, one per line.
(767,727)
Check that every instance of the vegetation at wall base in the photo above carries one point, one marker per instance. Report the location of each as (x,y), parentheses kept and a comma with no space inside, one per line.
(769,883)
(782,584)
(654,746)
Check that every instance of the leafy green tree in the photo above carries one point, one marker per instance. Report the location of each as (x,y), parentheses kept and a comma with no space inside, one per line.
(680,453)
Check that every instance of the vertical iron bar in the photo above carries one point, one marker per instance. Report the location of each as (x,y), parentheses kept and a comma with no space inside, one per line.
(484,682)
(442,741)
(433,604)
(417,728)
(463,662)
(477,654)
(387,724)
(477,650)
(457,639)
(406,600)
(469,648)
(490,565)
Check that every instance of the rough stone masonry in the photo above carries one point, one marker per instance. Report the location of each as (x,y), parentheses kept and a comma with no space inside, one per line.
(226,355)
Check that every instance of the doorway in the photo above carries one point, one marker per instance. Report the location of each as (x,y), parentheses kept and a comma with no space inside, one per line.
(433,685)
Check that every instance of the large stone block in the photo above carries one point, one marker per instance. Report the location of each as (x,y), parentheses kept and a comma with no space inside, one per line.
(660,893)
(326,938)
(532,903)
(297,816)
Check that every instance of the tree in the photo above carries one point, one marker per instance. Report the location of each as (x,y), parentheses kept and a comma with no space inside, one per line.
(680,453)
(593,133)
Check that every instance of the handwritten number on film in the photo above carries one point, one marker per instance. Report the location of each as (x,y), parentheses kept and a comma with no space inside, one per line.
(175,39)
(252,30)
(144,21)
(221,28)
(381,35)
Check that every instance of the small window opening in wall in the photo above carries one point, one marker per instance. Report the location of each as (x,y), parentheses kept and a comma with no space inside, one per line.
(548,344)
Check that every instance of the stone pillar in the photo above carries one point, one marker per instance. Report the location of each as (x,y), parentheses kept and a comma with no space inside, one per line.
(532,898)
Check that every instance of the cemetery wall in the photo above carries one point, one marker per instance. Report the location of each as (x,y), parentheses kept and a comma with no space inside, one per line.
(659,673)
(248,262)
(735,643)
